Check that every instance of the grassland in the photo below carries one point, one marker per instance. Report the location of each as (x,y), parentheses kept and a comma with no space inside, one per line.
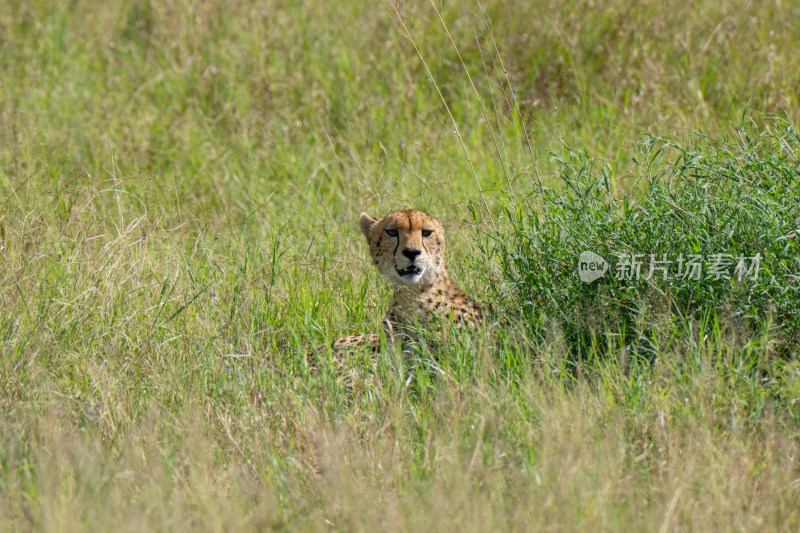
(180,183)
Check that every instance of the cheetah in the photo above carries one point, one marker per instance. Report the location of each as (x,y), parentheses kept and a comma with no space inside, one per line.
(407,247)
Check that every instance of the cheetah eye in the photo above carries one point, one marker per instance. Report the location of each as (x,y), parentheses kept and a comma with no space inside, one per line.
(427,232)
(391,232)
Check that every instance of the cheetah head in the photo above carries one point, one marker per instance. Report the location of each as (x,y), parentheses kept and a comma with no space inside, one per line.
(407,247)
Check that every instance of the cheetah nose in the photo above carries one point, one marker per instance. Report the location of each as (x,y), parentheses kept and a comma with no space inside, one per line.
(411,253)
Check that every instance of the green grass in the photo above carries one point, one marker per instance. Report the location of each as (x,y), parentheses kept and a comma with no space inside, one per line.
(179,191)
(714,230)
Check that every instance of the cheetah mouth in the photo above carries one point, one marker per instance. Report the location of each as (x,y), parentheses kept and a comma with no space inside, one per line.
(409,271)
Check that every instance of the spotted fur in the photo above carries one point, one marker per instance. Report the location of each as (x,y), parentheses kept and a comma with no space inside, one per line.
(407,247)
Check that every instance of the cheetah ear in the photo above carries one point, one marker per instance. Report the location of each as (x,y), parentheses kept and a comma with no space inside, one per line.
(365,223)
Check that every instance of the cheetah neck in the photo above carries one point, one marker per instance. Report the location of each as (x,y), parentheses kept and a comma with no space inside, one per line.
(424,295)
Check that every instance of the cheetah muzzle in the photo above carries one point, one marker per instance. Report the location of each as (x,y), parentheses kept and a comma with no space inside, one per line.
(409,272)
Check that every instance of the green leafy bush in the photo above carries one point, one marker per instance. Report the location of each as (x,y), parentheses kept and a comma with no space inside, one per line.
(731,206)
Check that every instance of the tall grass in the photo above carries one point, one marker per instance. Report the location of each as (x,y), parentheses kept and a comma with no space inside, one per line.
(714,231)
(179,184)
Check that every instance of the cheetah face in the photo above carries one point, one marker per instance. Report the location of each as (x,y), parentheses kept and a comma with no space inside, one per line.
(407,247)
